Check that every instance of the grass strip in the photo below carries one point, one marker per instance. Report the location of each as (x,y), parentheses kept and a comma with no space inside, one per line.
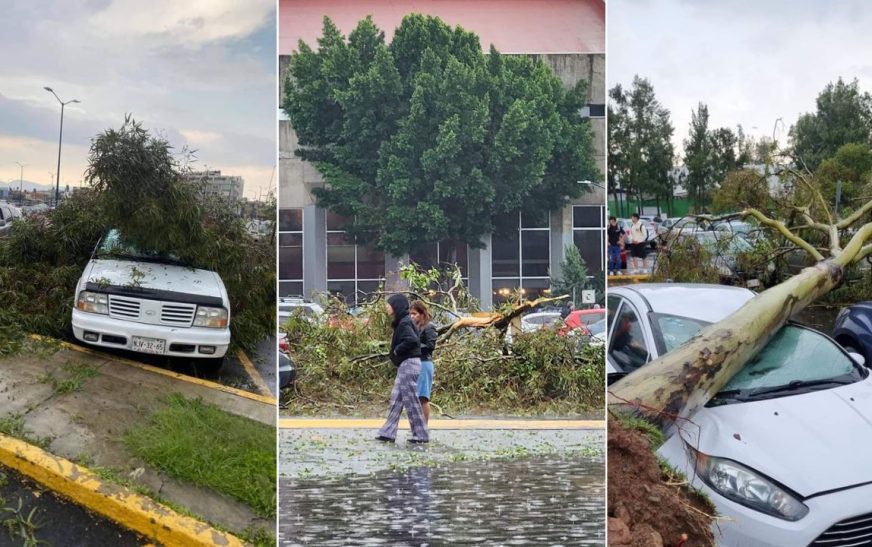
(202,444)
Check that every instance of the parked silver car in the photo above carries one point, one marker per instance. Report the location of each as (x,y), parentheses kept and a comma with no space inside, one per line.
(783,449)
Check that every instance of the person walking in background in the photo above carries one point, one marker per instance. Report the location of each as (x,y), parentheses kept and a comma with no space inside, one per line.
(638,244)
(616,243)
(421,316)
(406,356)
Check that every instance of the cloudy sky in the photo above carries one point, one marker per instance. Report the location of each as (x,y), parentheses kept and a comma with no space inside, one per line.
(201,73)
(750,62)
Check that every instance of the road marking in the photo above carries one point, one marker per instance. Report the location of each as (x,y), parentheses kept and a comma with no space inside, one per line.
(267,400)
(375,423)
(254,374)
(138,513)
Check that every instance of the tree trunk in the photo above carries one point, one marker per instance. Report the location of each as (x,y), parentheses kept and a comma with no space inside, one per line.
(678,383)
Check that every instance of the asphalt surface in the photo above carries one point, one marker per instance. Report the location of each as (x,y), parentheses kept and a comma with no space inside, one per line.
(59,523)
(340,487)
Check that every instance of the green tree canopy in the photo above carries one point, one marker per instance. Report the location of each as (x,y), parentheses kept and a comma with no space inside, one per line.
(843,116)
(640,142)
(852,167)
(741,189)
(427,138)
(710,154)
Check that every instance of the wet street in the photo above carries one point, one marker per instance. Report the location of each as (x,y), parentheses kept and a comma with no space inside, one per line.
(542,488)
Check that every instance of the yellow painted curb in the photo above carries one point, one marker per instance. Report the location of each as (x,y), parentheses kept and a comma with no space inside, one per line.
(267,400)
(253,373)
(135,512)
(374,423)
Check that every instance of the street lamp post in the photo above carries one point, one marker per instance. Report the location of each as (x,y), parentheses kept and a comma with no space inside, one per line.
(20,182)
(60,139)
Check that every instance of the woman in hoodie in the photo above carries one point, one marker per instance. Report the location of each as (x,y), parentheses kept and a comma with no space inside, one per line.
(406,356)
(421,316)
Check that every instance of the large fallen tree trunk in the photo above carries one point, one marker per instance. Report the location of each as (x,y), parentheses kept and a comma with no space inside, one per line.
(675,385)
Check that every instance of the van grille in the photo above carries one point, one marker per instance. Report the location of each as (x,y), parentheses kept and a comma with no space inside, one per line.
(123,308)
(852,532)
(177,314)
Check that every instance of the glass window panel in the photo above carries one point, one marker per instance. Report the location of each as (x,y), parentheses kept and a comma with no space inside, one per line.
(339,239)
(587,216)
(504,255)
(340,262)
(530,219)
(591,245)
(345,289)
(503,289)
(291,258)
(365,290)
(290,288)
(536,288)
(290,240)
(425,257)
(535,253)
(370,263)
(454,252)
(290,220)
(336,222)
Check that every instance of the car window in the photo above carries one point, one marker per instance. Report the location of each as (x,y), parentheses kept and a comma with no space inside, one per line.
(597,328)
(612,304)
(590,318)
(627,347)
(671,330)
(794,354)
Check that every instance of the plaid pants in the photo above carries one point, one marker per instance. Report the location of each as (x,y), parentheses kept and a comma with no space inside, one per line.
(405,395)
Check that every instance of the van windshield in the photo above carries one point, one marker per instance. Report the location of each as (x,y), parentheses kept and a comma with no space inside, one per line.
(113,246)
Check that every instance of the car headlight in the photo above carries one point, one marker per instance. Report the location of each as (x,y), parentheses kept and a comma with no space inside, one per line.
(746,487)
(214,318)
(93,302)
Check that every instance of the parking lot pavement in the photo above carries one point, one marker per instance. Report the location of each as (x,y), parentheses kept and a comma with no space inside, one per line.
(87,422)
(305,453)
(57,522)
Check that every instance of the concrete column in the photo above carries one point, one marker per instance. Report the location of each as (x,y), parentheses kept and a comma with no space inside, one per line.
(561,236)
(393,282)
(480,276)
(314,250)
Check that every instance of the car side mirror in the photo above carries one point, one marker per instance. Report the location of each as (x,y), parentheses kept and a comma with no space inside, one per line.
(859,359)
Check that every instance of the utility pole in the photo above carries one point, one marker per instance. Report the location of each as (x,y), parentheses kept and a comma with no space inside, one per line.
(60,140)
(21,183)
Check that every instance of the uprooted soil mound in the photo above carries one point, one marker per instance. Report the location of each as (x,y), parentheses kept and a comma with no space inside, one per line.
(644,509)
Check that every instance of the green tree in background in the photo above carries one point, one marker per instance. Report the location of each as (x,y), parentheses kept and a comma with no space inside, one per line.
(709,155)
(640,145)
(575,277)
(427,139)
(843,116)
(851,166)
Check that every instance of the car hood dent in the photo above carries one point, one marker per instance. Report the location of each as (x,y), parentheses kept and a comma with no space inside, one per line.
(155,276)
(810,443)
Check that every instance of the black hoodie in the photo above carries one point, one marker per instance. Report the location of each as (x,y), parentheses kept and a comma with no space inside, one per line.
(405,343)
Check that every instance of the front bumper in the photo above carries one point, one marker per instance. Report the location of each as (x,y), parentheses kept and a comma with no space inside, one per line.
(745,527)
(180,342)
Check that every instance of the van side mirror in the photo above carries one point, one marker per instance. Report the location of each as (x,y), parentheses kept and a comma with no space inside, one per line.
(859,359)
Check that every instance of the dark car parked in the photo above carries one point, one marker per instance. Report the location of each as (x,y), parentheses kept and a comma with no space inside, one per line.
(853,330)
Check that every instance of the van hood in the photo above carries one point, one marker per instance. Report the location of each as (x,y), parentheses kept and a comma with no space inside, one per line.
(811,443)
(155,276)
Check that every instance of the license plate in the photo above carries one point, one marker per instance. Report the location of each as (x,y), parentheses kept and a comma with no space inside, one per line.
(149,345)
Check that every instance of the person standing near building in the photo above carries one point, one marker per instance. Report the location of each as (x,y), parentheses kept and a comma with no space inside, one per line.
(638,244)
(616,243)
(406,356)
(421,316)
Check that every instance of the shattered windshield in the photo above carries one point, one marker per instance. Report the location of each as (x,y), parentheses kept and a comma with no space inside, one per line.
(113,246)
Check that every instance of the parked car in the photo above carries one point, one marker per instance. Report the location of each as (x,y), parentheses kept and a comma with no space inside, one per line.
(287,370)
(142,301)
(725,249)
(538,320)
(783,449)
(582,320)
(8,215)
(853,329)
(312,311)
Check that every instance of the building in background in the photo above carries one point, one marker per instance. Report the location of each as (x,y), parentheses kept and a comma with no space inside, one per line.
(226,186)
(314,254)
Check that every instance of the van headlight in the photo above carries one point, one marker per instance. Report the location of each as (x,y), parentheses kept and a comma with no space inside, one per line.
(93,302)
(746,487)
(213,318)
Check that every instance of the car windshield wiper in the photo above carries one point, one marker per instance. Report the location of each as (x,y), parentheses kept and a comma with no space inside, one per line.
(751,394)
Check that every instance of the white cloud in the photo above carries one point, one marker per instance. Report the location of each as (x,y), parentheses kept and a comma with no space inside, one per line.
(200,138)
(190,22)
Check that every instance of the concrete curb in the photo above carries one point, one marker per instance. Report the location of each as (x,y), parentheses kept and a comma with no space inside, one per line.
(267,400)
(375,423)
(135,512)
